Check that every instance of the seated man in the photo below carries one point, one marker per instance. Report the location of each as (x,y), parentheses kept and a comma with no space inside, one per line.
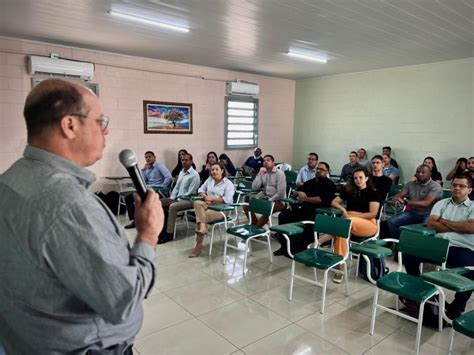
(419,197)
(470,173)
(453,219)
(381,182)
(362,159)
(273,182)
(346,172)
(187,185)
(253,164)
(156,175)
(308,171)
(388,151)
(389,169)
(315,193)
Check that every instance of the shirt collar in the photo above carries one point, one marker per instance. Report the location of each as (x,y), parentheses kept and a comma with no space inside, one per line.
(467,202)
(84,176)
(425,184)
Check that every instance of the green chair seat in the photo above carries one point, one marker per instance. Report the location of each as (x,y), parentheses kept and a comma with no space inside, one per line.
(451,279)
(330,211)
(289,229)
(246,231)
(407,286)
(371,249)
(222,208)
(465,324)
(419,228)
(318,258)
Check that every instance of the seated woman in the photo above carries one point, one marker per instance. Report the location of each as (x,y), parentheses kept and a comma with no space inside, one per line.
(362,203)
(435,174)
(211,159)
(229,166)
(459,168)
(217,189)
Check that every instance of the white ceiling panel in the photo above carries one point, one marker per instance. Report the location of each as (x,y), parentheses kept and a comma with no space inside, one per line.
(254,35)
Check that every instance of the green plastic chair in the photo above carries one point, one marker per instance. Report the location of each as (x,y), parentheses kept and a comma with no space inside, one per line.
(373,249)
(434,250)
(464,325)
(248,232)
(321,259)
(290,181)
(446,193)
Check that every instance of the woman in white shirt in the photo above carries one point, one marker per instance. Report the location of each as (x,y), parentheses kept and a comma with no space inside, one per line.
(217,189)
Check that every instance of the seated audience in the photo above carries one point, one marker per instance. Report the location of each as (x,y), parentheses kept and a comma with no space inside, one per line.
(362,206)
(229,166)
(419,197)
(253,163)
(459,168)
(380,182)
(156,176)
(362,159)
(177,169)
(314,193)
(435,174)
(389,169)
(211,159)
(453,219)
(470,173)
(308,171)
(388,150)
(273,182)
(217,189)
(187,184)
(347,170)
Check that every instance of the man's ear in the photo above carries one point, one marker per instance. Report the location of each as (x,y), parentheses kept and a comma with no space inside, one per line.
(69,126)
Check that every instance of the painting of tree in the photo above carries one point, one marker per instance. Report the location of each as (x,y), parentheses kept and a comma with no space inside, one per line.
(167,117)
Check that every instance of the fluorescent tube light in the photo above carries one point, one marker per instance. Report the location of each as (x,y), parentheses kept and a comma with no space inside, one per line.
(147,21)
(307,56)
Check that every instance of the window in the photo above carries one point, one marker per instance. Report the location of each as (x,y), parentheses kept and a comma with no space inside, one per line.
(241,122)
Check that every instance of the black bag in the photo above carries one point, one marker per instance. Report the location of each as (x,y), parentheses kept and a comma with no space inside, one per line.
(377,268)
(112,200)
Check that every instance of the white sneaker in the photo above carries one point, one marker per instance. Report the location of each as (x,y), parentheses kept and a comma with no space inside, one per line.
(337,278)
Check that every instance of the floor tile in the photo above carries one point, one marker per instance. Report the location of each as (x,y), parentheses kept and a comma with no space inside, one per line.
(177,275)
(243,322)
(203,296)
(292,340)
(345,327)
(190,337)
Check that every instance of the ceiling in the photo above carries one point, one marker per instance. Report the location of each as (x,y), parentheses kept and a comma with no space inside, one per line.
(254,35)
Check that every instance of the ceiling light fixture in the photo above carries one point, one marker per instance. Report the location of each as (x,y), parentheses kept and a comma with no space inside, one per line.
(147,21)
(307,56)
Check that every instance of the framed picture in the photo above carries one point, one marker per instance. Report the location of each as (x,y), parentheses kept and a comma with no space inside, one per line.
(91,86)
(167,117)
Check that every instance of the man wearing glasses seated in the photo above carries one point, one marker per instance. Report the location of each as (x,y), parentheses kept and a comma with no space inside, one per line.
(315,193)
(453,219)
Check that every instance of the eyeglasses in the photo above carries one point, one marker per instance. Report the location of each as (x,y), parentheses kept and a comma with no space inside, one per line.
(461,186)
(319,169)
(103,120)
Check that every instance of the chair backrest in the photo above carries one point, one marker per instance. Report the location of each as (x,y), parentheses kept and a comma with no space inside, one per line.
(340,227)
(447,193)
(431,248)
(291,176)
(245,184)
(394,189)
(261,206)
(283,166)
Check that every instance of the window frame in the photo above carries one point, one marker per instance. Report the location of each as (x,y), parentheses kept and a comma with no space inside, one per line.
(240,98)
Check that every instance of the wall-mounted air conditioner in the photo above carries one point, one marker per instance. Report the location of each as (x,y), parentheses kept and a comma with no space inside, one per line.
(241,88)
(60,67)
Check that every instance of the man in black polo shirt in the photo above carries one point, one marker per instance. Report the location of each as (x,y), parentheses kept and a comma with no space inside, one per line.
(381,182)
(315,193)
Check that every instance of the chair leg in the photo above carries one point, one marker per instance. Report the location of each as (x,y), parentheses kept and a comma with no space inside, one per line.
(418,328)
(211,241)
(397,303)
(346,279)
(325,284)
(441,309)
(292,280)
(269,249)
(451,341)
(245,254)
(374,311)
(357,266)
(225,248)
(315,271)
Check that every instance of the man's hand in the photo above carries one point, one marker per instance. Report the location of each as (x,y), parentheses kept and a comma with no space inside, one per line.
(396,200)
(302,196)
(149,217)
(146,166)
(262,171)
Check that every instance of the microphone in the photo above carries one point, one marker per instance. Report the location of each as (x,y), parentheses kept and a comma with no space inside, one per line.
(129,161)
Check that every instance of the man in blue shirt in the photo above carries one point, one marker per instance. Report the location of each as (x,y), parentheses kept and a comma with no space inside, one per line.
(253,164)
(156,176)
(308,171)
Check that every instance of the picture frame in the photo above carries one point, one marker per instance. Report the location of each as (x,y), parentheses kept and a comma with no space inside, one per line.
(167,117)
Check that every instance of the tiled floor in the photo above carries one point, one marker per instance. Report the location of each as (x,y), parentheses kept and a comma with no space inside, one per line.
(199,306)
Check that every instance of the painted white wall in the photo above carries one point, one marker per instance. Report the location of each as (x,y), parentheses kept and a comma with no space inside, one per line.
(422,110)
(124,82)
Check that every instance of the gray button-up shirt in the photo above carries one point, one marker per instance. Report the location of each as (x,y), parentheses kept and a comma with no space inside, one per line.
(418,192)
(273,183)
(69,280)
(187,183)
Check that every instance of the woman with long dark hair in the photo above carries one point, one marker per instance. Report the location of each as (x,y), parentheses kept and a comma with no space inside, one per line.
(435,174)
(179,166)
(211,158)
(229,166)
